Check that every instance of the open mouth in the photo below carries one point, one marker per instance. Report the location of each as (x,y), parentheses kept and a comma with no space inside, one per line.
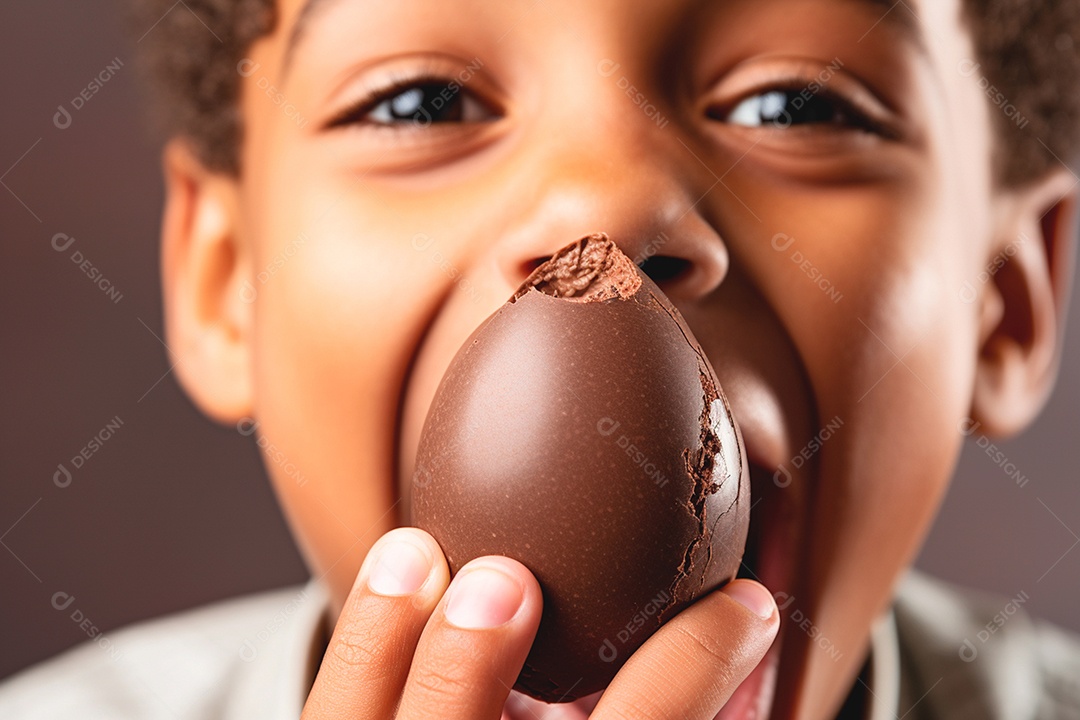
(769,555)
(770,559)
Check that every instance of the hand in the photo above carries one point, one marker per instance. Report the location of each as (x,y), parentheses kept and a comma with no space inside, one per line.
(411,644)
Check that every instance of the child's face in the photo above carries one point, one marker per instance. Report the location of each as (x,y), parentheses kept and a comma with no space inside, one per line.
(822,265)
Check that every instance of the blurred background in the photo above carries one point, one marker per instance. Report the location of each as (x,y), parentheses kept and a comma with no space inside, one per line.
(170,511)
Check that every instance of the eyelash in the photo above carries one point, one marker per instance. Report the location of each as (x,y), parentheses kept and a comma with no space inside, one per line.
(858,118)
(356,113)
(394,86)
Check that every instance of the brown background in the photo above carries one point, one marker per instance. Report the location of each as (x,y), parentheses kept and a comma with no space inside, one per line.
(172,511)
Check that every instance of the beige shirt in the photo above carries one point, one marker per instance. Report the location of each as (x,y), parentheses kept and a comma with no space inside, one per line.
(941,652)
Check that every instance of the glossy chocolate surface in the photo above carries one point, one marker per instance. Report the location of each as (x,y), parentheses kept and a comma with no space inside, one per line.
(582,431)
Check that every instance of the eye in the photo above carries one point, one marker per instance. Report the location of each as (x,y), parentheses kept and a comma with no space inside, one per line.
(417,102)
(782,109)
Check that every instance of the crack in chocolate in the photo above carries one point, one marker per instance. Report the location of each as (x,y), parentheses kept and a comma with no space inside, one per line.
(700,469)
(699,466)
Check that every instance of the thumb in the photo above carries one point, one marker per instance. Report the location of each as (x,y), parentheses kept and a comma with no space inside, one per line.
(693,664)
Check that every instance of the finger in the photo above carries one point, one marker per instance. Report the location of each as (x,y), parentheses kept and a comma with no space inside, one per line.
(697,660)
(364,669)
(475,643)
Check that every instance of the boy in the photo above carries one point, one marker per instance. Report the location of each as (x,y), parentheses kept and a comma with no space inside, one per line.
(819,185)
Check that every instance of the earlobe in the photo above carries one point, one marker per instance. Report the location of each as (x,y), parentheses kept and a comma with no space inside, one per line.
(204,265)
(1028,276)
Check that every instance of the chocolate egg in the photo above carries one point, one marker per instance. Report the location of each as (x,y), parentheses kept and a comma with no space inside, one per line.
(582,431)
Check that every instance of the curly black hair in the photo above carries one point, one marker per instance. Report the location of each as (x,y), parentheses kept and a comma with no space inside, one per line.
(1027,62)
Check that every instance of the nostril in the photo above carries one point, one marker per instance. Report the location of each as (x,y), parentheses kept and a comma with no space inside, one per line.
(664,268)
(529,265)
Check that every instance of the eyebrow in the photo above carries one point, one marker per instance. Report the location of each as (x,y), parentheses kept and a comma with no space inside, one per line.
(897,14)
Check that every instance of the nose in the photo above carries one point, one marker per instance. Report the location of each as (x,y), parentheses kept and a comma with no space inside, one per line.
(644,189)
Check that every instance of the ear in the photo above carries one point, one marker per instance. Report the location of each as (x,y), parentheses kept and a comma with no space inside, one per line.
(204,267)
(1028,276)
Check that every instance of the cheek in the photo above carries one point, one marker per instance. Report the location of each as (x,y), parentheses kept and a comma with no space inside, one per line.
(339,313)
(461,314)
(898,368)
(893,361)
(882,475)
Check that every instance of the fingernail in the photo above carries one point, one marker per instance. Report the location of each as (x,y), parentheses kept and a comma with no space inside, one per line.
(483,597)
(400,567)
(753,597)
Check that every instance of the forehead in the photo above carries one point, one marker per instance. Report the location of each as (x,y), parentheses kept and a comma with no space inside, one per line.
(305,17)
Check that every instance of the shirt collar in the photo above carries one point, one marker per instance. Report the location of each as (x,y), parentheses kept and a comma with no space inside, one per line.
(884,685)
(282,658)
